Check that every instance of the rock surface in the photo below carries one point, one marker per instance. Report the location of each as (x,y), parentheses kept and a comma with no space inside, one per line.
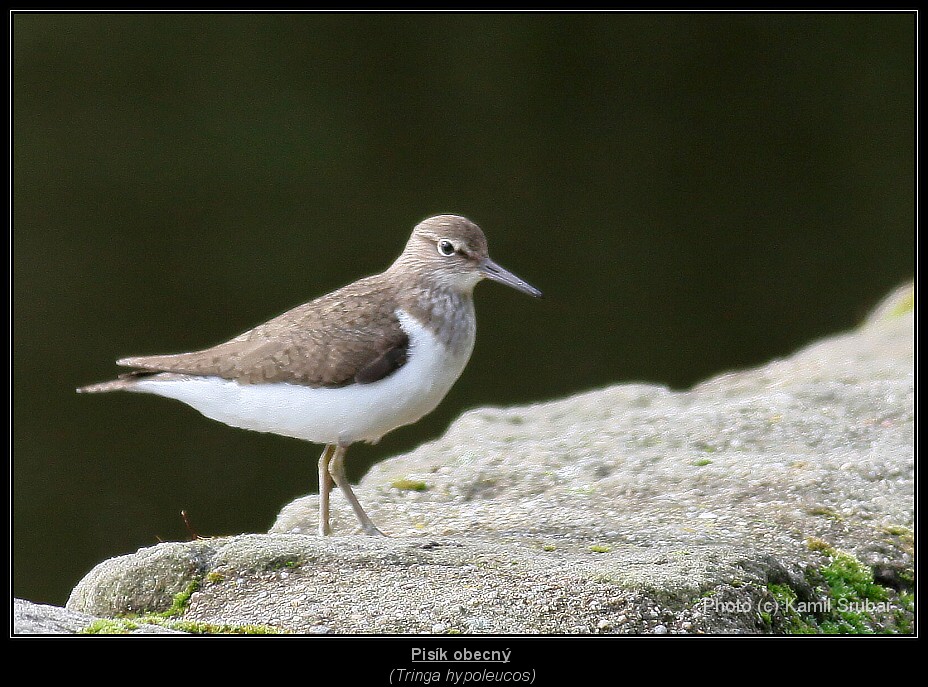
(40,619)
(630,509)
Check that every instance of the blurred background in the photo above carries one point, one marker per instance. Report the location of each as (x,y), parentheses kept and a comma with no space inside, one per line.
(692,192)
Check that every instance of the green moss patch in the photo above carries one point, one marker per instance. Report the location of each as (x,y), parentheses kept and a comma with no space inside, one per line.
(409,485)
(847,600)
(825,512)
(905,304)
(125,626)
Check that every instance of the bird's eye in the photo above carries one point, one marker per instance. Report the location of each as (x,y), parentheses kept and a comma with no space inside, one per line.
(445,247)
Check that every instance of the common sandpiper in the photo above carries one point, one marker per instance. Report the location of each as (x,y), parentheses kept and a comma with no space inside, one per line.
(349,366)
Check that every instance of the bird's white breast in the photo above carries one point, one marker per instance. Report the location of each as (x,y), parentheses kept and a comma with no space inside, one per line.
(357,412)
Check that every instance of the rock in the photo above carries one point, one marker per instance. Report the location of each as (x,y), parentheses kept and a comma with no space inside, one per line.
(39,619)
(629,509)
(147,581)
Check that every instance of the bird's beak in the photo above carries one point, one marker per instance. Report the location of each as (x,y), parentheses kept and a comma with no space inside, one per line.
(491,270)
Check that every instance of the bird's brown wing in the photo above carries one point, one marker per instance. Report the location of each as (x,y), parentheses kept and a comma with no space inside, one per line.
(350,335)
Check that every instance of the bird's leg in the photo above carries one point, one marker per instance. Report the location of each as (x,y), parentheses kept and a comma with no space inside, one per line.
(325,486)
(337,468)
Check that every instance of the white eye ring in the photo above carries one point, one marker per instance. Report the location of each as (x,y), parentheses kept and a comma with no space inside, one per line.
(445,247)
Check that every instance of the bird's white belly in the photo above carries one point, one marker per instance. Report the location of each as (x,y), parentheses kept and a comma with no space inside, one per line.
(357,412)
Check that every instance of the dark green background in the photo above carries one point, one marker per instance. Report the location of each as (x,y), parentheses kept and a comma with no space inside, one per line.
(692,192)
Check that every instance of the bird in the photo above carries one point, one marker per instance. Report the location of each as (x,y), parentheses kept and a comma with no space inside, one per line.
(349,366)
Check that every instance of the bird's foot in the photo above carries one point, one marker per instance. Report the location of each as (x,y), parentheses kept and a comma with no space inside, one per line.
(371,530)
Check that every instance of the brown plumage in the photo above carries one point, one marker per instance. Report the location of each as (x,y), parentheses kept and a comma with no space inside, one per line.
(337,339)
